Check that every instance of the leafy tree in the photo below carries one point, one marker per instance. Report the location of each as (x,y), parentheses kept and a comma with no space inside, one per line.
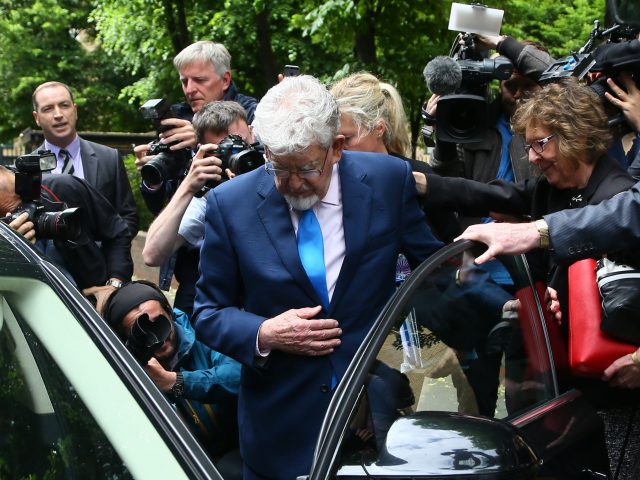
(44,40)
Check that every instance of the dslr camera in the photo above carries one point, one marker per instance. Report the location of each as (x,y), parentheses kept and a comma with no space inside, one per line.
(147,336)
(167,164)
(64,224)
(236,155)
(463,78)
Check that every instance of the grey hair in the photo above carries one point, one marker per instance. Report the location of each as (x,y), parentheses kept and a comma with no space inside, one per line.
(216,117)
(296,114)
(205,51)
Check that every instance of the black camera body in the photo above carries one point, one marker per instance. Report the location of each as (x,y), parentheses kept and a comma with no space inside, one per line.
(620,53)
(236,155)
(147,336)
(463,116)
(65,224)
(168,164)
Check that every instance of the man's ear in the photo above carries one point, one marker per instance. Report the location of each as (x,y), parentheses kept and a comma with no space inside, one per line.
(226,80)
(35,117)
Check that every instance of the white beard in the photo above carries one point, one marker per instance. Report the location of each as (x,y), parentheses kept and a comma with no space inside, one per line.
(302,203)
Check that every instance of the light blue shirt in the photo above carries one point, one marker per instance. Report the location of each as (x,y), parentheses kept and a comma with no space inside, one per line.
(74,151)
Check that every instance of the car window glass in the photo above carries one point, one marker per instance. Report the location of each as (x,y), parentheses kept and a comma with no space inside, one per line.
(45,429)
(466,339)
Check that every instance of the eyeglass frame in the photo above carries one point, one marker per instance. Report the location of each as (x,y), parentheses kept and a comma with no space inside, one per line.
(285,174)
(541,142)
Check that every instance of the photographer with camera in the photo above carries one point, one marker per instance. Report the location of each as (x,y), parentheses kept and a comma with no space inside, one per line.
(205,74)
(173,230)
(499,154)
(68,218)
(201,382)
(56,113)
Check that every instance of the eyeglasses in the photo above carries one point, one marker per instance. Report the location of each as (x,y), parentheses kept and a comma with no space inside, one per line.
(538,145)
(283,173)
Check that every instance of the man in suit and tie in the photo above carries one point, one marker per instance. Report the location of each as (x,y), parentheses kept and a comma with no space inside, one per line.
(298,260)
(101,167)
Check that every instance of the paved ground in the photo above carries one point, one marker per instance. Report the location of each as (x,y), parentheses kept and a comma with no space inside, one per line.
(141,271)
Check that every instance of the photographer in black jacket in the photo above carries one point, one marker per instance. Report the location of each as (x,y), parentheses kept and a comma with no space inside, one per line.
(205,75)
(98,260)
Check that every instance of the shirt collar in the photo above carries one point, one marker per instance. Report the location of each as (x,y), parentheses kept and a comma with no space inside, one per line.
(73,148)
(333,194)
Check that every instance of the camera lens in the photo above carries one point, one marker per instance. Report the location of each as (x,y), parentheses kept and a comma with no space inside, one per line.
(65,225)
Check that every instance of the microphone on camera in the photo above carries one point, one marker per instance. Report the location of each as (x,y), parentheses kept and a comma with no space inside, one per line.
(443,75)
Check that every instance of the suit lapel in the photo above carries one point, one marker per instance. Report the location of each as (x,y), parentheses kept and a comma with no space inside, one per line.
(89,162)
(356,215)
(274,214)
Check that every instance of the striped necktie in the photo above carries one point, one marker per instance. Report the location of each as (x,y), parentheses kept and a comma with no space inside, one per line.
(67,163)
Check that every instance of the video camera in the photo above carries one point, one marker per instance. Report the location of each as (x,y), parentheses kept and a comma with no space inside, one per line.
(147,336)
(236,155)
(619,53)
(464,76)
(65,224)
(168,164)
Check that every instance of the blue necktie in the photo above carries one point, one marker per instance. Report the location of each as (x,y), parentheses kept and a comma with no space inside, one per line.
(311,251)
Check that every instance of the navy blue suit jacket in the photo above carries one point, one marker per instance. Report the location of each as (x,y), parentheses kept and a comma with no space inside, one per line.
(251,271)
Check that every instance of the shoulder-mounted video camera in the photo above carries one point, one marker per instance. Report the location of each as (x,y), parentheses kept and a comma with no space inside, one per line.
(619,51)
(65,224)
(236,155)
(464,76)
(168,164)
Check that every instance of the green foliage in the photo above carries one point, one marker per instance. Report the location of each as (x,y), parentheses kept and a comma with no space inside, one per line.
(45,40)
(144,215)
(118,53)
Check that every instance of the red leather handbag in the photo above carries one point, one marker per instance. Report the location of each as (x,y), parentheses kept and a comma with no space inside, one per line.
(590,350)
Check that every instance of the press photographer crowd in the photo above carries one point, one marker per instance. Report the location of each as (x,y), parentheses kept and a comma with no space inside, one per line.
(305,206)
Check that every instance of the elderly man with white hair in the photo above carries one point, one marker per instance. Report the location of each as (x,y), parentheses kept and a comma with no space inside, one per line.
(298,260)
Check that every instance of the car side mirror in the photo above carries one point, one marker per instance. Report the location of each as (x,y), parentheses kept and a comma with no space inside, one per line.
(444,444)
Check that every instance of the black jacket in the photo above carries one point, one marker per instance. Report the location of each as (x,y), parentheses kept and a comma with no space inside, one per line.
(103,250)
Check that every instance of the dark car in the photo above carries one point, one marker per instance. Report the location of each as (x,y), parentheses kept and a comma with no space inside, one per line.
(455,380)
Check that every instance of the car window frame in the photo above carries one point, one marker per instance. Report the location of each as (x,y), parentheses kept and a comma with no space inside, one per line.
(352,385)
(157,409)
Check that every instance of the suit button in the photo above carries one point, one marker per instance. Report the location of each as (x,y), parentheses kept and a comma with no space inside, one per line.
(571,250)
(324,388)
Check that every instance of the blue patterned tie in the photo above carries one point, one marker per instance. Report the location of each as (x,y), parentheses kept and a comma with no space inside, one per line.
(311,251)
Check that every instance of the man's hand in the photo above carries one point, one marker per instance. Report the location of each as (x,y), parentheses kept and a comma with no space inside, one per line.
(102,294)
(489,41)
(296,331)
(629,101)
(623,373)
(421,183)
(181,133)
(553,304)
(163,379)
(24,226)
(140,151)
(432,105)
(203,169)
(503,238)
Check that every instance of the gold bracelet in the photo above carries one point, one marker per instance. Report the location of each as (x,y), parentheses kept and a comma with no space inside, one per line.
(636,360)
(543,231)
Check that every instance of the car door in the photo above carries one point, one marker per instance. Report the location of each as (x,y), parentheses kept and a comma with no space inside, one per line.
(457,379)
(74,403)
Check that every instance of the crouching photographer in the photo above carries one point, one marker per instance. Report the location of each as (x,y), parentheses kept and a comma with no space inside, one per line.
(73,224)
(201,382)
(226,149)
